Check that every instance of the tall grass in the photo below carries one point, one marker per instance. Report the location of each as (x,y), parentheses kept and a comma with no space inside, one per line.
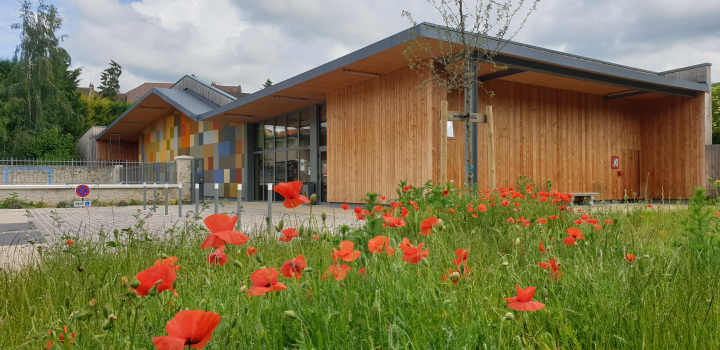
(665,299)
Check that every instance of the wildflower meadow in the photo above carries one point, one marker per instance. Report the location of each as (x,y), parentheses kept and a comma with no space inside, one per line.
(426,267)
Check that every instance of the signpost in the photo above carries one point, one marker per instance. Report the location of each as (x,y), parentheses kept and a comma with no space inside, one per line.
(82,191)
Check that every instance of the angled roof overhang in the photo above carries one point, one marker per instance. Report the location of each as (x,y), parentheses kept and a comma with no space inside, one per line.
(531,65)
(156,104)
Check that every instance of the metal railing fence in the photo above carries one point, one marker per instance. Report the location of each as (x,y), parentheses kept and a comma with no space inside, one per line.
(55,172)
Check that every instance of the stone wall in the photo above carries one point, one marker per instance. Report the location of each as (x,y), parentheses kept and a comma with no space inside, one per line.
(51,195)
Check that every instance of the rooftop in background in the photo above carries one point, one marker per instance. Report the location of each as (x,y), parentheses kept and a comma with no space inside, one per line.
(135,94)
(235,91)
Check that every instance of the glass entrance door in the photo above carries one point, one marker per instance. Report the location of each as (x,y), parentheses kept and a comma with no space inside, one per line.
(323,176)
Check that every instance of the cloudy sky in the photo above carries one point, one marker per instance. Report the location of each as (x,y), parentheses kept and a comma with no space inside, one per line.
(249,41)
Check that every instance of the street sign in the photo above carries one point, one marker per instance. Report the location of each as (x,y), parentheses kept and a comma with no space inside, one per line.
(82,204)
(82,191)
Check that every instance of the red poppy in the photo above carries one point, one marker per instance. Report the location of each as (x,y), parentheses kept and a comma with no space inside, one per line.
(378,208)
(482,208)
(171,260)
(251,251)
(362,272)
(523,300)
(454,276)
(288,234)
(345,207)
(380,244)
(404,212)
(152,274)
(649,206)
(542,221)
(406,188)
(552,217)
(556,273)
(382,198)
(578,222)
(337,272)
(221,227)
(510,220)
(451,211)
(264,281)
(217,257)
(585,217)
(427,225)
(192,327)
(462,255)
(412,255)
(474,216)
(544,265)
(69,242)
(345,253)
(505,203)
(291,192)
(294,268)
(62,337)
(357,210)
(359,216)
(394,222)
(542,249)
(609,222)
(630,257)
(446,193)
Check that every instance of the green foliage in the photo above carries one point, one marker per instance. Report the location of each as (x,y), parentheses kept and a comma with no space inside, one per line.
(268,83)
(101,111)
(110,81)
(700,233)
(52,144)
(13,202)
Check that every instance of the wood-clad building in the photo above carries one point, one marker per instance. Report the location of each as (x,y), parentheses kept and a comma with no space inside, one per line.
(360,124)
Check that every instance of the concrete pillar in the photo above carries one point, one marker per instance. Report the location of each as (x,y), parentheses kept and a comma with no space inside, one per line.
(183,165)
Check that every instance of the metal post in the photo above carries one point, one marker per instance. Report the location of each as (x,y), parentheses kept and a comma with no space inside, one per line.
(239,199)
(166,199)
(144,196)
(270,195)
(180,201)
(216,198)
(197,201)
(154,195)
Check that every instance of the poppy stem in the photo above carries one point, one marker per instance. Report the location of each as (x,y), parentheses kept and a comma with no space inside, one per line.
(134,329)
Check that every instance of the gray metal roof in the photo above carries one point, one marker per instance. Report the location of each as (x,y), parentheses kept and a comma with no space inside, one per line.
(587,68)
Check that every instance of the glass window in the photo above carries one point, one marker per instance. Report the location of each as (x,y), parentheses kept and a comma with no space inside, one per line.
(304,165)
(269,173)
(260,135)
(292,166)
(305,127)
(280,133)
(280,158)
(323,125)
(269,134)
(260,178)
(292,130)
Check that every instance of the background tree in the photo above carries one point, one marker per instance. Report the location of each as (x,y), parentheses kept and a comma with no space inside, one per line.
(110,81)
(464,47)
(39,90)
(268,83)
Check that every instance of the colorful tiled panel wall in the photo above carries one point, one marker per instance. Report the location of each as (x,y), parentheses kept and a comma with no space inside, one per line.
(220,145)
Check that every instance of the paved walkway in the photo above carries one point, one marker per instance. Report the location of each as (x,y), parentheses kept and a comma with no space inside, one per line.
(52,222)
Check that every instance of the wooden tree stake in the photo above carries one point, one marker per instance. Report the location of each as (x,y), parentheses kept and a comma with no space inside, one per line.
(443,142)
(491,148)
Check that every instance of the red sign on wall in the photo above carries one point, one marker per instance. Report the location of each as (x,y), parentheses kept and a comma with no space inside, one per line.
(615,162)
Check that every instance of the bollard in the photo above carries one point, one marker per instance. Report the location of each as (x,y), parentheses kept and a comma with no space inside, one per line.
(154,196)
(144,195)
(180,201)
(270,221)
(197,201)
(239,199)
(216,198)
(166,199)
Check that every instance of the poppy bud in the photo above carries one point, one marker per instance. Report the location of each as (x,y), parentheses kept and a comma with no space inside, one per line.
(67,302)
(237,264)
(278,228)
(323,216)
(92,303)
(461,268)
(447,301)
(55,347)
(134,283)
(376,305)
(281,224)
(301,231)
(325,233)
(243,289)
(153,291)
(505,263)
(308,270)
(124,281)
(425,262)
(109,324)
(440,224)
(163,255)
(233,322)
(444,228)
(80,269)
(646,256)
(517,241)
(258,258)
(106,311)
(313,198)
(259,329)
(508,317)
(32,311)
(290,314)
(392,242)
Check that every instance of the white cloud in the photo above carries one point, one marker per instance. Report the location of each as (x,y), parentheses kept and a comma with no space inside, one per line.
(223,40)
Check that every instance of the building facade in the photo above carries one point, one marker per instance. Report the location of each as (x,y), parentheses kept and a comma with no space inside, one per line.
(360,124)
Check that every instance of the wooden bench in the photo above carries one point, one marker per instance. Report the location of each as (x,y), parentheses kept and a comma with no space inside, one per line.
(581,195)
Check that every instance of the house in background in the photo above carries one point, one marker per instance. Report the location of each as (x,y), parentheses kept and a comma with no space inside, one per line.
(91,92)
(135,94)
(359,124)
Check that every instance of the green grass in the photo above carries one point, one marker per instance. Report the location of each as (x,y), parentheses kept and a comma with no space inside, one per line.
(665,299)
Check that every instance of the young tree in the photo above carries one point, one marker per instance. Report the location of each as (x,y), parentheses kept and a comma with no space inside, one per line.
(110,81)
(465,47)
(268,83)
(715,92)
